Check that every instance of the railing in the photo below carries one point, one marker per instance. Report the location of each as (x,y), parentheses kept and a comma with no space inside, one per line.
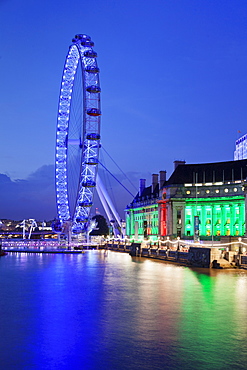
(36,244)
(243,261)
(30,243)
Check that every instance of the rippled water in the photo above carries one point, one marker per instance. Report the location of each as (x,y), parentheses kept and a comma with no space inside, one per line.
(110,311)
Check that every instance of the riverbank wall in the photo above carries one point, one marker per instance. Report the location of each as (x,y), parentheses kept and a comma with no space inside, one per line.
(194,257)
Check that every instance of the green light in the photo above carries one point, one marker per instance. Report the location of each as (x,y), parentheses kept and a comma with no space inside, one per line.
(218,216)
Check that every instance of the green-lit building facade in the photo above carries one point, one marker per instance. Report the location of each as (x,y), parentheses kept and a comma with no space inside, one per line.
(198,201)
(142,215)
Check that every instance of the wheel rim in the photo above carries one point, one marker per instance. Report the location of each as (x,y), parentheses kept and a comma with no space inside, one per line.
(78,134)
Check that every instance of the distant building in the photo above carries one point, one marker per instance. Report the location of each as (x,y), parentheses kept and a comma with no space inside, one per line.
(241,148)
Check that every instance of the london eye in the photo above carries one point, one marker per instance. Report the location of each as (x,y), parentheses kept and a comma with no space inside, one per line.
(78,134)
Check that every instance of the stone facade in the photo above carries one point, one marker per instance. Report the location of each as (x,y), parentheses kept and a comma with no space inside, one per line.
(198,201)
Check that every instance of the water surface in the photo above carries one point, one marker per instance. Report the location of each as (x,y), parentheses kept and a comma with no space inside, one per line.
(107,310)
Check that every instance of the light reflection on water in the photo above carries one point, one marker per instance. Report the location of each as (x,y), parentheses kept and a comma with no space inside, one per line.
(109,311)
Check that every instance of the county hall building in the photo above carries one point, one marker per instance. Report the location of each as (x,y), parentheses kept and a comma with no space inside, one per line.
(197,201)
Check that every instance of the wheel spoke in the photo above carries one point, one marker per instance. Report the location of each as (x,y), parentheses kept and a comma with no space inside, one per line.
(78,134)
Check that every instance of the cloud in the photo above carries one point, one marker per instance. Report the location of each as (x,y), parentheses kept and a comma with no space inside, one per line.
(34,197)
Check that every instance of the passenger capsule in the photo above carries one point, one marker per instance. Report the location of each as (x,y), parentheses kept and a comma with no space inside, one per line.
(94,112)
(85,204)
(87,43)
(81,221)
(93,89)
(89,184)
(91,161)
(90,54)
(82,37)
(85,220)
(93,136)
(92,69)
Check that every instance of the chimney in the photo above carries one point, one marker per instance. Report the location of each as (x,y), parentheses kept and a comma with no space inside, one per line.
(176,163)
(162,178)
(154,181)
(142,186)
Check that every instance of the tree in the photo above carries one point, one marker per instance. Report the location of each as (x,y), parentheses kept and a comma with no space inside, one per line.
(102,227)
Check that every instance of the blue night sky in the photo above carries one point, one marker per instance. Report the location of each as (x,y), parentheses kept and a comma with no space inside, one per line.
(173,78)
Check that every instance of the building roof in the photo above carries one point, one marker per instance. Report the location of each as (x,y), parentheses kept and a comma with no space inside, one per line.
(147,194)
(208,172)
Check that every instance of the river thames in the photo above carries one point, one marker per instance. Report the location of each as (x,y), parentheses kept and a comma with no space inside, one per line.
(107,310)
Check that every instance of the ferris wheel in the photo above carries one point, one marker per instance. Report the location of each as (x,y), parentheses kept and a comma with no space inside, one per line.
(78,134)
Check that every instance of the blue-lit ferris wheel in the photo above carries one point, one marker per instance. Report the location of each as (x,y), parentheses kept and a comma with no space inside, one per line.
(78,134)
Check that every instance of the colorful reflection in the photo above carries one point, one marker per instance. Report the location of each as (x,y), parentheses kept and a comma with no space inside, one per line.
(106,310)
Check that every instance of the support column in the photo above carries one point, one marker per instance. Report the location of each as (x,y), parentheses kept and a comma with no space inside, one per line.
(183,218)
(231,220)
(203,220)
(169,218)
(245,204)
(224,220)
(162,218)
(221,220)
(213,218)
(242,219)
